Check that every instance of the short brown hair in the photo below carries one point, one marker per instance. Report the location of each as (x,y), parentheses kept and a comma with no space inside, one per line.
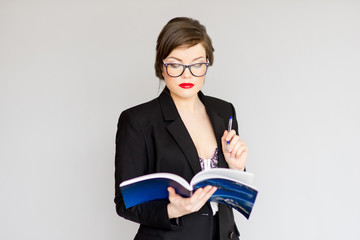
(177,32)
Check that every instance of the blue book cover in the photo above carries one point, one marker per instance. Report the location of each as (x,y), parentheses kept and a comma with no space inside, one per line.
(233,188)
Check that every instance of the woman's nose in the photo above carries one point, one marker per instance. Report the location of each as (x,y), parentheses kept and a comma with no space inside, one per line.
(187,73)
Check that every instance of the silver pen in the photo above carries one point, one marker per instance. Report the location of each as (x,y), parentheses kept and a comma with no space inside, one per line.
(229,129)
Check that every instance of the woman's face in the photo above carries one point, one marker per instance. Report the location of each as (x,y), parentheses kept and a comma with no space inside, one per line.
(185,86)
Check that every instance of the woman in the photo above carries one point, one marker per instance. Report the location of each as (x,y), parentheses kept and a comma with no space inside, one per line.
(179,132)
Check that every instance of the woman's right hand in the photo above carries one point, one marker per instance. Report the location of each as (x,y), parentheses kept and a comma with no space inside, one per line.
(180,206)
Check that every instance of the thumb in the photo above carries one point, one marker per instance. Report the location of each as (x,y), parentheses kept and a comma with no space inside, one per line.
(172,193)
(223,138)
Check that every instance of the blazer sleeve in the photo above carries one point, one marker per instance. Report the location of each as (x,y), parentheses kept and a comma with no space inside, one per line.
(131,160)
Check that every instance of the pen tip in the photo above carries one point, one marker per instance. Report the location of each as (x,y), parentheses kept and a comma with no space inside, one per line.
(230,117)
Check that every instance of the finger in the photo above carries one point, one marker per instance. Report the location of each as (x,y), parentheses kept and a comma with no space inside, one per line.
(243,148)
(224,135)
(194,203)
(235,140)
(202,193)
(210,193)
(197,193)
(205,195)
(235,149)
(206,191)
(239,148)
(226,139)
(172,193)
(223,141)
(230,135)
(223,138)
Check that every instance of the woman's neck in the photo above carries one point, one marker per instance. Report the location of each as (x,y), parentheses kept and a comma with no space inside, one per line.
(188,104)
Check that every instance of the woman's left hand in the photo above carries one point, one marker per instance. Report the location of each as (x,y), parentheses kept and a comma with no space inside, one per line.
(236,151)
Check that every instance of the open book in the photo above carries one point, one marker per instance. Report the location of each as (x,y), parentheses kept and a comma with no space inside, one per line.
(233,188)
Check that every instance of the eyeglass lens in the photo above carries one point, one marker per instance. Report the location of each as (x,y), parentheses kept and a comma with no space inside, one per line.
(175,70)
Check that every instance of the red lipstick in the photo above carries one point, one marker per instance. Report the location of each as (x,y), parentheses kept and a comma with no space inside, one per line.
(186,85)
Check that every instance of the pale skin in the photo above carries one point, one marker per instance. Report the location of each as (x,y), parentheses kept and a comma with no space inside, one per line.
(197,122)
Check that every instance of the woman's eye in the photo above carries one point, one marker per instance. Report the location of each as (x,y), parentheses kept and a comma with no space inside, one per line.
(175,66)
(197,65)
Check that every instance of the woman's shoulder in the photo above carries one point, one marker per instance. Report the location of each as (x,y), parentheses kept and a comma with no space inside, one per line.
(217,101)
(142,111)
(144,108)
(219,105)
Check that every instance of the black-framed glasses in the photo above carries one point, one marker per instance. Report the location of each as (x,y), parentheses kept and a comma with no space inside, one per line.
(177,69)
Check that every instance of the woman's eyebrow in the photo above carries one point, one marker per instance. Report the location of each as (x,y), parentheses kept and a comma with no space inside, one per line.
(175,59)
(181,60)
(198,58)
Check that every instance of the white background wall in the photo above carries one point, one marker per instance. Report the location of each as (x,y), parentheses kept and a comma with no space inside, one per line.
(68,68)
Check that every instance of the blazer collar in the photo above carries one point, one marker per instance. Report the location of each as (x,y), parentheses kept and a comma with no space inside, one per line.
(168,106)
(178,130)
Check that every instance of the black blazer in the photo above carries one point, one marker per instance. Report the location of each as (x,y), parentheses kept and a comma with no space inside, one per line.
(151,137)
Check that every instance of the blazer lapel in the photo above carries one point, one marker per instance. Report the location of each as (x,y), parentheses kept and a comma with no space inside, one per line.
(219,125)
(178,130)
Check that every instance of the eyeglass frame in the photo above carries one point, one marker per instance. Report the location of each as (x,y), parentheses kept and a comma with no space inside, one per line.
(184,68)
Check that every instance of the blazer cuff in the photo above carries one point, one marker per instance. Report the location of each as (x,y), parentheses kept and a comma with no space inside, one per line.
(176,223)
(157,216)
